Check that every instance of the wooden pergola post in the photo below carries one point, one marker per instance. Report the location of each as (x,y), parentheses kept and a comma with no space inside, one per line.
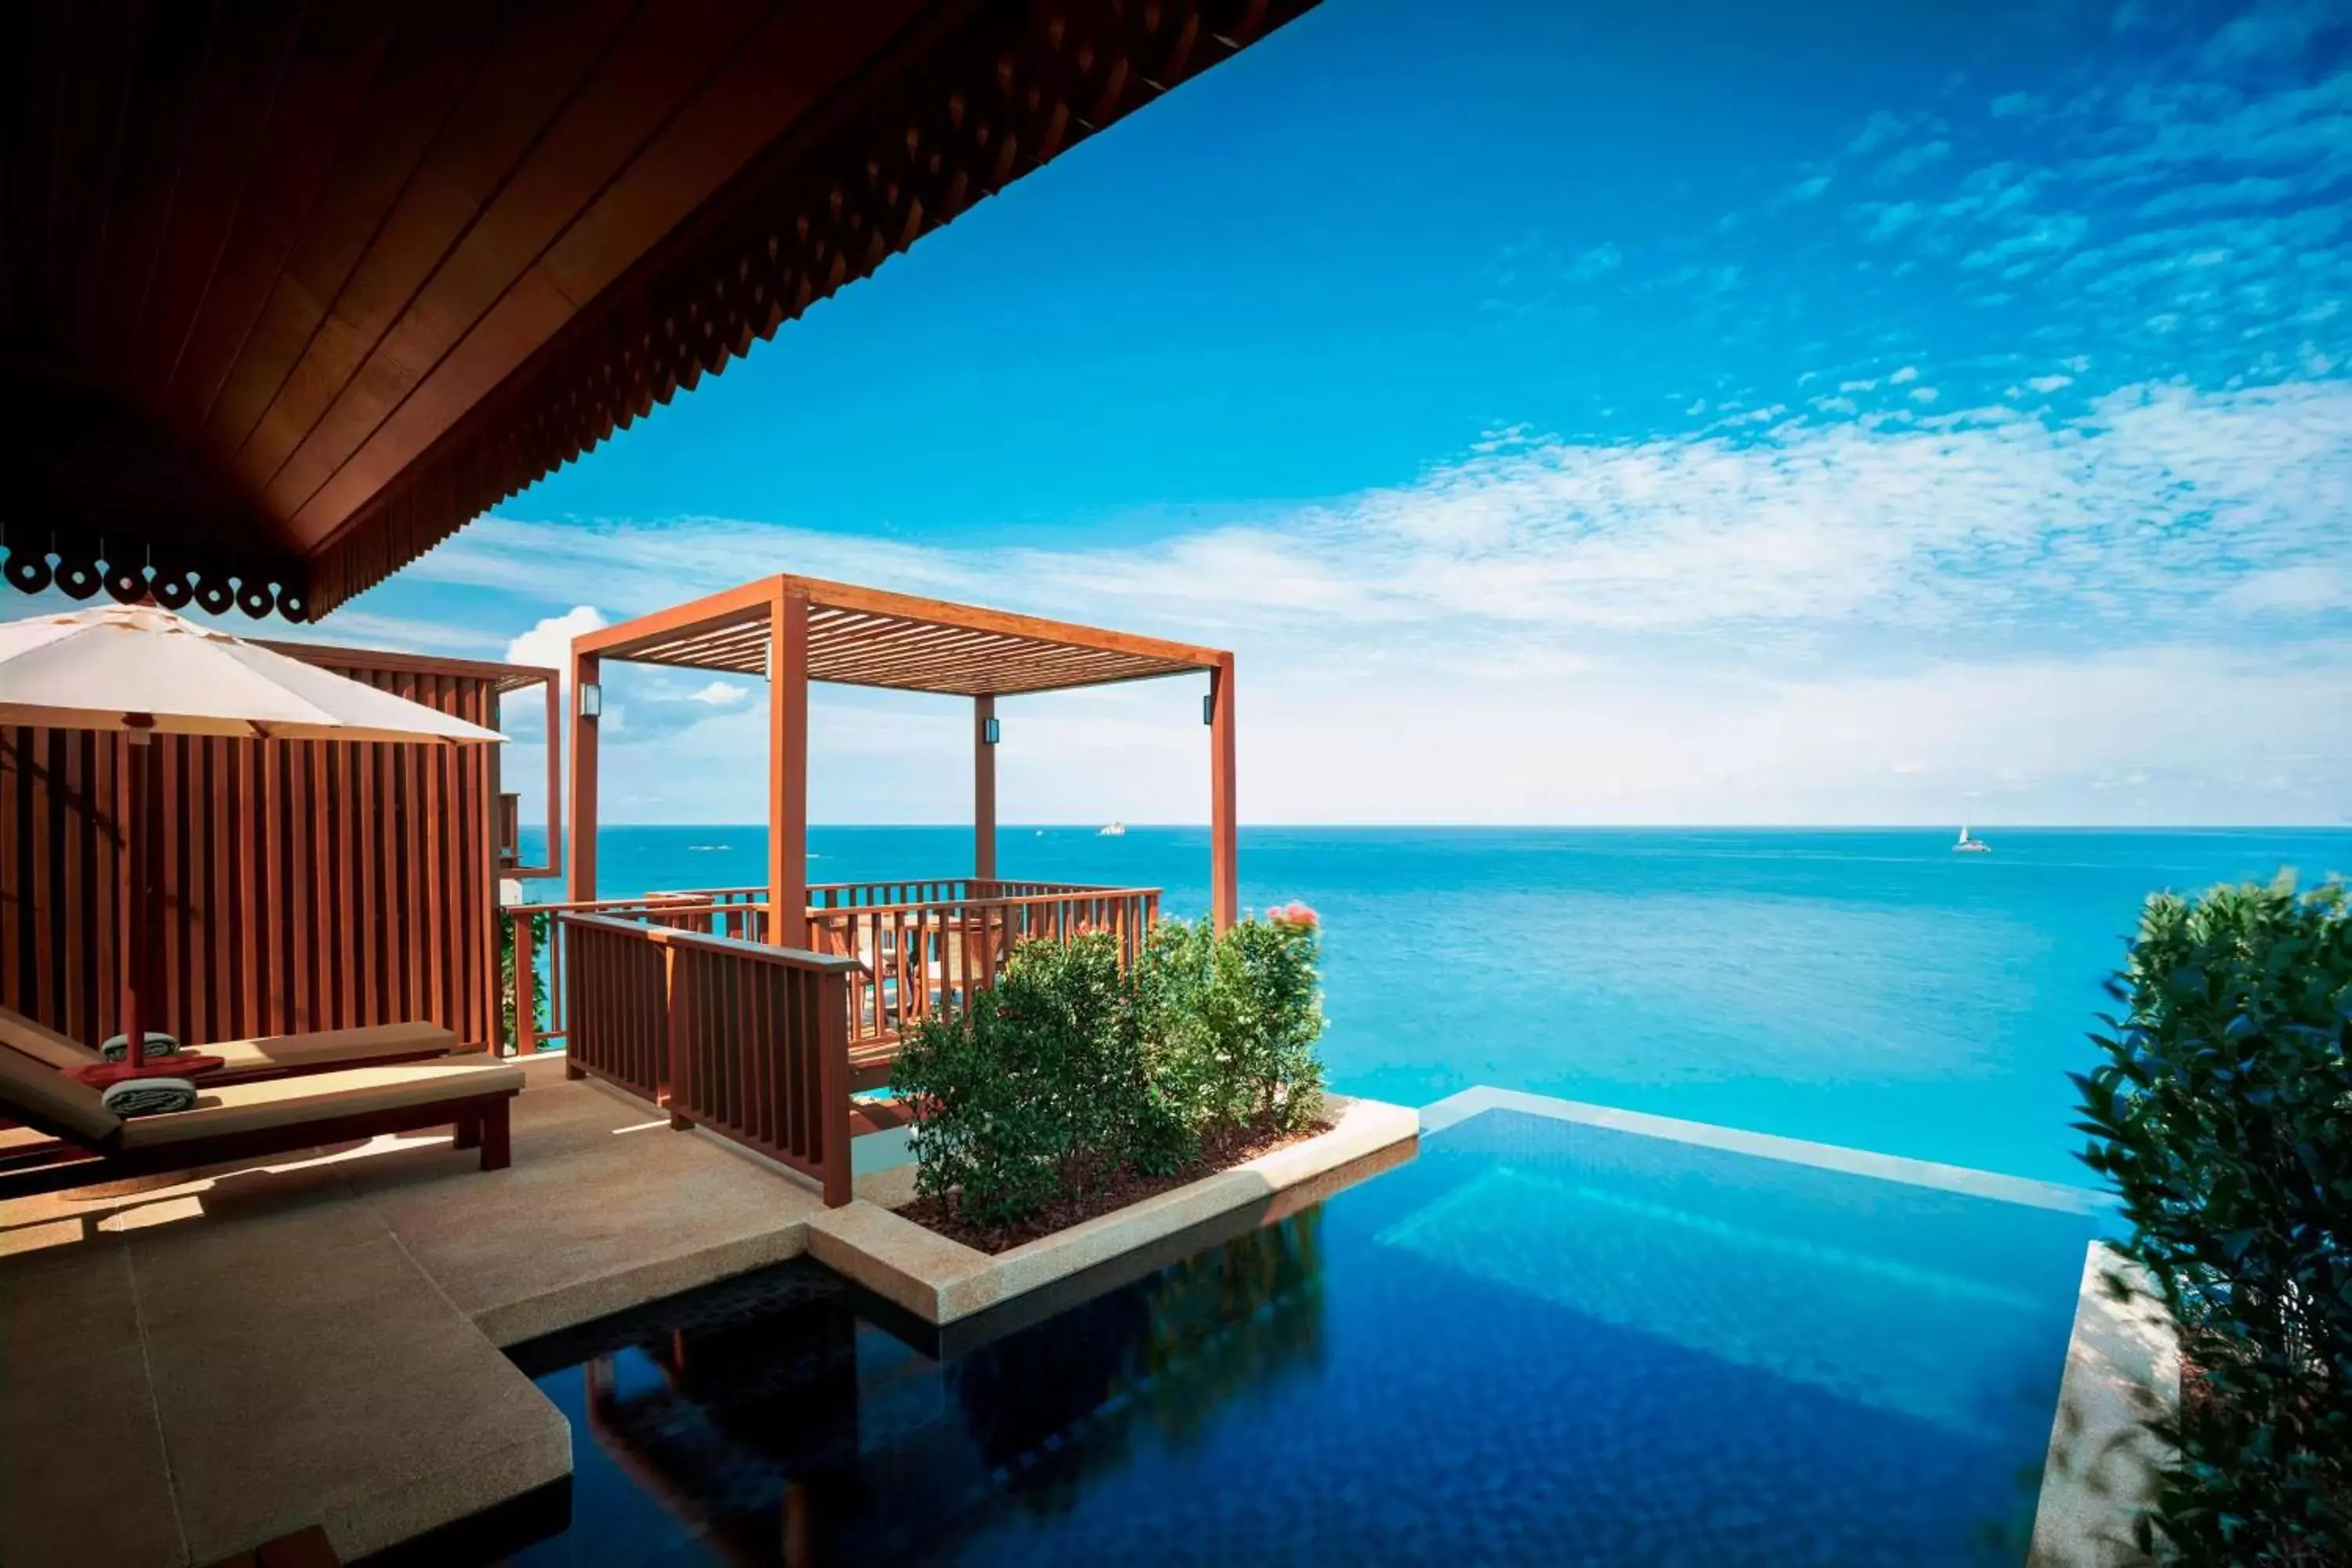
(788,682)
(983,789)
(580,879)
(1225,852)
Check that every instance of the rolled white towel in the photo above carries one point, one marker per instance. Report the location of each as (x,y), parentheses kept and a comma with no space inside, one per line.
(117,1047)
(149,1096)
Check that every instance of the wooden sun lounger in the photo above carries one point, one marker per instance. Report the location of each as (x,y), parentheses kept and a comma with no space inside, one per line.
(244,1119)
(271,1056)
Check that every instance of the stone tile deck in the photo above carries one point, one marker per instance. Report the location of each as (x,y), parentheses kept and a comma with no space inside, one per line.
(190,1366)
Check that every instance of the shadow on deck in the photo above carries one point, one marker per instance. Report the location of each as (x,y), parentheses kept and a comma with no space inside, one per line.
(200,1363)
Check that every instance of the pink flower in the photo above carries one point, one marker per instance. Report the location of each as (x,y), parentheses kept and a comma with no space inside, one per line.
(1294,914)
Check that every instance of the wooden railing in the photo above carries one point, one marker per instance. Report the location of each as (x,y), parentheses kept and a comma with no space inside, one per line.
(919,959)
(914,958)
(747,1040)
(534,1031)
(873,895)
(933,890)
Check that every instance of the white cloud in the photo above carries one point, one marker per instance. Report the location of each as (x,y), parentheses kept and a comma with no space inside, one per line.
(2141,509)
(359,628)
(719,694)
(2048,384)
(549,643)
(1909,372)
(1914,159)
(2298,590)
(1594,263)
(2213,737)
(1734,625)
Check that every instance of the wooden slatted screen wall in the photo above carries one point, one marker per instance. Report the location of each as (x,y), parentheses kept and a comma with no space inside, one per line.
(305,884)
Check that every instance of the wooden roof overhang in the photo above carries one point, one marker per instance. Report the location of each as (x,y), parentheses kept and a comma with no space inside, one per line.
(867,637)
(292,292)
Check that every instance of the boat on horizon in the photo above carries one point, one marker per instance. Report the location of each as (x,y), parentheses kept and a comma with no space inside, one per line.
(1965,845)
(1111,830)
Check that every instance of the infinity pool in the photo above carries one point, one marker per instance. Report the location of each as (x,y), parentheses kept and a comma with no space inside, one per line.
(1543,1341)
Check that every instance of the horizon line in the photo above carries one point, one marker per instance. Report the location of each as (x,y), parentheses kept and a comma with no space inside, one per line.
(1456,825)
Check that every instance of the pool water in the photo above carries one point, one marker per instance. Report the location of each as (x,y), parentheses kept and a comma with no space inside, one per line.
(1542,1341)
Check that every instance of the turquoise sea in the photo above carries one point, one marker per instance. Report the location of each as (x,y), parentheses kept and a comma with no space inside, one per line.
(1865,987)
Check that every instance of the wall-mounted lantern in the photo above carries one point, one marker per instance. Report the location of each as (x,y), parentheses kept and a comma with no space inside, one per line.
(988,730)
(591,700)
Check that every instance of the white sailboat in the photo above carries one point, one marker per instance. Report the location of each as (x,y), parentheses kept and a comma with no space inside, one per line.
(1965,845)
(1112,830)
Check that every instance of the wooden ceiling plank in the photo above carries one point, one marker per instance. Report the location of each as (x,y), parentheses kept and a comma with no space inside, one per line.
(558,112)
(782,73)
(337,57)
(38,79)
(100,46)
(756,89)
(232,114)
(318,345)
(164,93)
(538,64)
(419,83)
(993,59)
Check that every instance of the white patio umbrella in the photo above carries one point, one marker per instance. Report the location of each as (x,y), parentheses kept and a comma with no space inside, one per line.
(144,671)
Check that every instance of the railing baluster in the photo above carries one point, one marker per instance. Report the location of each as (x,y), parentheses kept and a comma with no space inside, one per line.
(747,1040)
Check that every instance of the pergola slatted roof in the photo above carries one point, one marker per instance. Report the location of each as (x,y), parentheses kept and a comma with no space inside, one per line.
(795,630)
(865,636)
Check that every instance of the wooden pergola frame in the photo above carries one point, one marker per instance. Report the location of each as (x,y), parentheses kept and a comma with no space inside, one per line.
(796,630)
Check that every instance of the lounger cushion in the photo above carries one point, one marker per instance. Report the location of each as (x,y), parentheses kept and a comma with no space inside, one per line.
(44,1044)
(325,1046)
(224,1109)
(34,1091)
(269,1052)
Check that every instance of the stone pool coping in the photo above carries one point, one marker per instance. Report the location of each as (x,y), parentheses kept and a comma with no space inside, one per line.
(2123,1368)
(942,1281)
(1470,1103)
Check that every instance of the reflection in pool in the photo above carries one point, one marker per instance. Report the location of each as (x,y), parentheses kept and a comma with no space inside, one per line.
(1542,1341)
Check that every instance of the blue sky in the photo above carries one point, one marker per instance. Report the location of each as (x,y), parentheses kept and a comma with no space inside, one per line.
(1818,412)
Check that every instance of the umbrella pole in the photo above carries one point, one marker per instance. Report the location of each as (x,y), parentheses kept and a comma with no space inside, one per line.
(135,901)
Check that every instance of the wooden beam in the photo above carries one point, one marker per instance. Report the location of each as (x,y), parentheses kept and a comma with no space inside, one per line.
(1225,854)
(579,882)
(745,606)
(788,625)
(334,656)
(983,789)
(972,617)
(553,865)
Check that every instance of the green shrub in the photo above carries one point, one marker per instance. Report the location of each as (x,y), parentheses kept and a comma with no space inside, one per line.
(1234,1019)
(2222,1115)
(1072,1071)
(542,931)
